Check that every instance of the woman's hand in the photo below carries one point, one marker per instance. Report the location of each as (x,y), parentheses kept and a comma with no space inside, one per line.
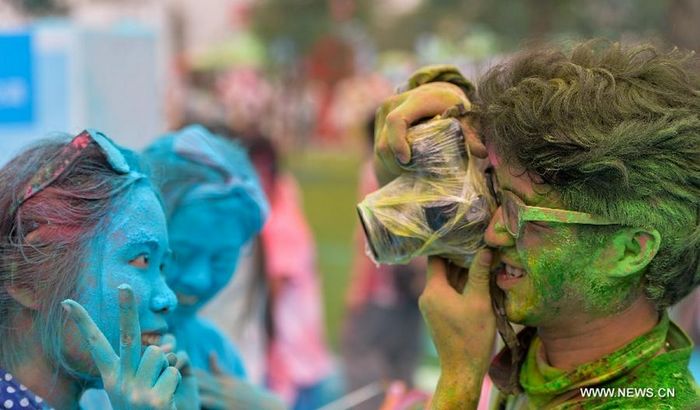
(463,328)
(131,380)
(187,394)
(398,113)
(221,391)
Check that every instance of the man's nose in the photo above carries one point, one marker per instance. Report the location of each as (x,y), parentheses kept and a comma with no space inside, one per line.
(496,235)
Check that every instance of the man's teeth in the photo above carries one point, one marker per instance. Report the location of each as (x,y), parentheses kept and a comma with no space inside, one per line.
(514,272)
(150,339)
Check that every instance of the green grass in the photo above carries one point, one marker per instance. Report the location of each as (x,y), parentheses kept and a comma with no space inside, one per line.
(328,182)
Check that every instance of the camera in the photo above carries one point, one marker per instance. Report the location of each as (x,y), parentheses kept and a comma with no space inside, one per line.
(439,206)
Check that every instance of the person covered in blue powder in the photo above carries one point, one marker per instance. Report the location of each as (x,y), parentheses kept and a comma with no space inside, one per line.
(83,243)
(214,206)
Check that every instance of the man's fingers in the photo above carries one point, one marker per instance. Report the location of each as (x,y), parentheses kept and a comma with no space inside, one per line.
(408,113)
(479,272)
(437,272)
(392,126)
(98,345)
(474,144)
(394,132)
(129,331)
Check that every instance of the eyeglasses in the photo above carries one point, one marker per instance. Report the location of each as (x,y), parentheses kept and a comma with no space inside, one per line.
(66,157)
(516,214)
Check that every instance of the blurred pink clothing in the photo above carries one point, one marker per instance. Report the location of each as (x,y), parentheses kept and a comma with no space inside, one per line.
(370,282)
(297,356)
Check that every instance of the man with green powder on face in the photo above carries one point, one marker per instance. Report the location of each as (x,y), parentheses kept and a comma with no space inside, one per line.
(594,158)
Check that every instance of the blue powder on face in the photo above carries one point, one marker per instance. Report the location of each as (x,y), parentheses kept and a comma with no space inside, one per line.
(132,249)
(206,238)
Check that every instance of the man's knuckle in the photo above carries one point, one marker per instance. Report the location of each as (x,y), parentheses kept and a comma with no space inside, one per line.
(425,301)
(394,118)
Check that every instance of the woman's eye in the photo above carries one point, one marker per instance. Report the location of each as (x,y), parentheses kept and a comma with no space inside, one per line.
(140,261)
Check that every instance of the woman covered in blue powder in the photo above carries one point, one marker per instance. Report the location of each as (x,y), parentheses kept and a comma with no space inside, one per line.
(214,206)
(83,244)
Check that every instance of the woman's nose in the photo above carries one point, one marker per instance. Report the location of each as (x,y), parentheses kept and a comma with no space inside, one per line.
(195,277)
(163,299)
(496,235)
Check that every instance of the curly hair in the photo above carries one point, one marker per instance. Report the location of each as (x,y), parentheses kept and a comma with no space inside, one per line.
(615,130)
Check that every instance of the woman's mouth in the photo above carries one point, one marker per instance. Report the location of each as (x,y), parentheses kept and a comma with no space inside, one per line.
(150,338)
(509,276)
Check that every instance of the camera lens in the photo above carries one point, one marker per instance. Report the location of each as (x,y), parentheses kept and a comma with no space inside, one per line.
(385,246)
(436,216)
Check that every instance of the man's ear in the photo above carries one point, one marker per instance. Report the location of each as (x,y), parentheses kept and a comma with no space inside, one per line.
(631,250)
(24,295)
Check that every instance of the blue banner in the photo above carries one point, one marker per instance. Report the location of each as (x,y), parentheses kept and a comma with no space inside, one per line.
(16,82)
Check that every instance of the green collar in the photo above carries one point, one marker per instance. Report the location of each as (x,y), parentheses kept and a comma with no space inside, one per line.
(542,382)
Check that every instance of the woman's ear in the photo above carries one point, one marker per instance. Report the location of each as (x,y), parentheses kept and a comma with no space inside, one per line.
(24,295)
(632,250)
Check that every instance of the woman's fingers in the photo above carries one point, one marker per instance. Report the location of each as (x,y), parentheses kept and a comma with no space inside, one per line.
(212,400)
(167,383)
(207,383)
(152,364)
(168,343)
(129,332)
(183,363)
(106,360)
(214,365)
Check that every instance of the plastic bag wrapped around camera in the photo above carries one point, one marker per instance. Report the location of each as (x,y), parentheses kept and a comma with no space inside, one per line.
(441,206)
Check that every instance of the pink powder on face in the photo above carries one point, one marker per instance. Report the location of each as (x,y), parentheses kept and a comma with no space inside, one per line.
(494,158)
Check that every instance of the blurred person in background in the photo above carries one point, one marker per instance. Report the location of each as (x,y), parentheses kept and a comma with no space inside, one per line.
(299,366)
(214,205)
(382,333)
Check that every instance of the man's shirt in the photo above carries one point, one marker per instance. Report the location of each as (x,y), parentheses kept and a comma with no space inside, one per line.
(649,372)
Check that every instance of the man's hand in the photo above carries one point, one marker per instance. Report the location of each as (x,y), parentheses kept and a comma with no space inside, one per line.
(132,380)
(463,328)
(398,113)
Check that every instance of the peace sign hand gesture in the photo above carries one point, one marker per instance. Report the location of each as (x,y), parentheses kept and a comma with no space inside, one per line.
(131,380)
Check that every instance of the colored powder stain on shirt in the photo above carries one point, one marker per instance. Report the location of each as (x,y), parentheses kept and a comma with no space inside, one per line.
(14,395)
(642,374)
